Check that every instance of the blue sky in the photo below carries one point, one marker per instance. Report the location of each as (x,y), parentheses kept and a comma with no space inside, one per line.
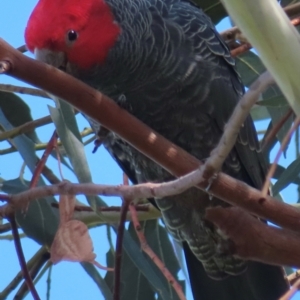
(68,280)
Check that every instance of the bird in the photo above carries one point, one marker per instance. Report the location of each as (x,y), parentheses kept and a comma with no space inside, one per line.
(165,63)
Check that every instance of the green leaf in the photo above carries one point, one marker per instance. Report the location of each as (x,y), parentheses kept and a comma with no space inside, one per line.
(14,186)
(158,240)
(155,278)
(287,177)
(100,282)
(276,101)
(249,66)
(67,130)
(213,8)
(134,285)
(67,113)
(259,113)
(279,171)
(17,112)
(160,243)
(40,221)
(276,116)
(289,270)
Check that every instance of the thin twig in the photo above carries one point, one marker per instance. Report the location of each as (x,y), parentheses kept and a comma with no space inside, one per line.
(109,239)
(10,237)
(172,158)
(283,145)
(27,127)
(292,10)
(23,90)
(232,128)
(143,207)
(39,168)
(241,49)
(292,278)
(21,258)
(276,128)
(295,21)
(24,128)
(119,244)
(170,278)
(19,276)
(5,228)
(246,46)
(50,176)
(23,290)
(49,283)
(289,294)
(245,197)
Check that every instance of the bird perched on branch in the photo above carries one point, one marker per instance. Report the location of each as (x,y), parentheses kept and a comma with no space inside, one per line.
(164,62)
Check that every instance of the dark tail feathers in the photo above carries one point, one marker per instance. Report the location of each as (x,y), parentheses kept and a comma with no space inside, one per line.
(259,282)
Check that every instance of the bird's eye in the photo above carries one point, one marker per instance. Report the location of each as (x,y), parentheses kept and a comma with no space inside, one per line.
(72,35)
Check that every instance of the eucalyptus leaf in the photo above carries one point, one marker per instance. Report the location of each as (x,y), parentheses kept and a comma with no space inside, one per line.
(276,101)
(287,176)
(92,271)
(213,8)
(14,186)
(153,275)
(279,171)
(259,113)
(70,138)
(40,220)
(17,112)
(134,285)
(249,66)
(276,116)
(158,240)
(75,151)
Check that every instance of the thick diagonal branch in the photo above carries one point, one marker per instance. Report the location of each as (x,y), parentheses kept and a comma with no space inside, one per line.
(255,240)
(175,160)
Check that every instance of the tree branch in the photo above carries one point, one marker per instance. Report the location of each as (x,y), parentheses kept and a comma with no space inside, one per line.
(290,293)
(233,126)
(23,90)
(283,145)
(119,244)
(275,129)
(21,258)
(292,278)
(26,127)
(254,240)
(156,260)
(175,160)
(42,162)
(248,198)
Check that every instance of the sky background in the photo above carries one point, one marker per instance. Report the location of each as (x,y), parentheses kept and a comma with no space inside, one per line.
(68,280)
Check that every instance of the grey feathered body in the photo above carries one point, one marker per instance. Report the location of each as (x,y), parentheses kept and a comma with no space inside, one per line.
(171,70)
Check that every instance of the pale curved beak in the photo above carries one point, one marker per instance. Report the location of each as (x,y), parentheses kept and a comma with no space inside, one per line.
(55,59)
